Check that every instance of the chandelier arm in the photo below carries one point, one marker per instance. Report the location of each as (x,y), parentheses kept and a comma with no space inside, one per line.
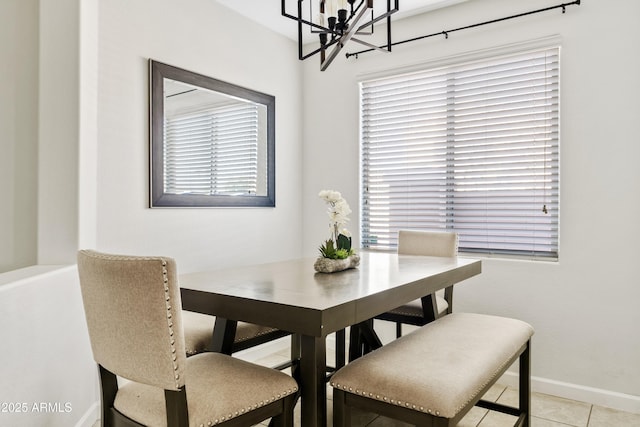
(372,46)
(357,9)
(310,54)
(378,18)
(300,44)
(346,37)
(300,19)
(309,23)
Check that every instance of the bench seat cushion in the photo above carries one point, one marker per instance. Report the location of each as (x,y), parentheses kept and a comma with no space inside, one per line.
(440,368)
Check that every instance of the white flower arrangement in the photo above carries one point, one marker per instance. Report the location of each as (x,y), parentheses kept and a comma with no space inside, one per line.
(339,245)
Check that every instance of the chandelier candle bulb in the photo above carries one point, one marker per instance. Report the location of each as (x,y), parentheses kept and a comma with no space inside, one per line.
(331,8)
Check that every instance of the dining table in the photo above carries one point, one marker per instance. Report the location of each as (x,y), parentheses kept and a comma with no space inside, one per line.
(290,295)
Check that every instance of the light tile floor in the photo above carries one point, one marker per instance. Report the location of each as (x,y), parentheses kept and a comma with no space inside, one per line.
(546,411)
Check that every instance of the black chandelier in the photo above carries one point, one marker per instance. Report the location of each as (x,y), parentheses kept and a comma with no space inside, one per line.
(338,21)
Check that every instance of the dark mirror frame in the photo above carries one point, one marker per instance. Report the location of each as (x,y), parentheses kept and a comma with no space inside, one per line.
(158,198)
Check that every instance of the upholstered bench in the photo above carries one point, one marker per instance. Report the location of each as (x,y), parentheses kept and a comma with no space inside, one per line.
(435,375)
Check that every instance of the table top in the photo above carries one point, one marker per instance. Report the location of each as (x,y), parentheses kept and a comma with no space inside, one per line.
(273,294)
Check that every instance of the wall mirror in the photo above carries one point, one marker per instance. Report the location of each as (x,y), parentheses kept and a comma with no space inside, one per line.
(212,142)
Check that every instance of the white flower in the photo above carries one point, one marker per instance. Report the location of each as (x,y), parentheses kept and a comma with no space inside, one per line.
(339,213)
(330,196)
(338,210)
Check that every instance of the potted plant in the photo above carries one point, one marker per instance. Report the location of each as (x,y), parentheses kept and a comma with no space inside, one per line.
(336,253)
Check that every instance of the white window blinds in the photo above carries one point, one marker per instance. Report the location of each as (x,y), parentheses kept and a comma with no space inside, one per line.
(471,148)
(212,151)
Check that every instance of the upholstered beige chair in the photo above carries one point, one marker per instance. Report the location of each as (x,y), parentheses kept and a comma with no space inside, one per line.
(198,329)
(418,312)
(134,316)
(424,310)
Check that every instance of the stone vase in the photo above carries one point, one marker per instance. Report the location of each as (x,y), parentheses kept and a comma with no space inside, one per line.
(327,265)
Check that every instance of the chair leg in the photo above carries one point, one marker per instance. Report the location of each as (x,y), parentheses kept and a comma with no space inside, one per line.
(176,405)
(108,389)
(285,419)
(341,412)
(355,343)
(296,351)
(340,348)
(398,329)
(448,296)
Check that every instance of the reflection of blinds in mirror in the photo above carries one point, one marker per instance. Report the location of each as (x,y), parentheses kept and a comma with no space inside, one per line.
(212,151)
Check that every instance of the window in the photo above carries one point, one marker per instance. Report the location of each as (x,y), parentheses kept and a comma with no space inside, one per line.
(471,148)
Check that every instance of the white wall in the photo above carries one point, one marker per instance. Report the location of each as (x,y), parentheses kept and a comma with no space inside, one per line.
(584,307)
(200,36)
(46,357)
(59,125)
(46,362)
(83,78)
(18,133)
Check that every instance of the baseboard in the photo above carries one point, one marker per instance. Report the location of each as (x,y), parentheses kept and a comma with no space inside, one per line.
(595,396)
(90,416)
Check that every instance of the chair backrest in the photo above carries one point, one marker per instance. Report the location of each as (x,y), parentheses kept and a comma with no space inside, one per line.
(427,243)
(133,310)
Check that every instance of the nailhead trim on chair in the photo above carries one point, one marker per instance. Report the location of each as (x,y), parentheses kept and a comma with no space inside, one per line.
(251,408)
(259,334)
(167,298)
(170,321)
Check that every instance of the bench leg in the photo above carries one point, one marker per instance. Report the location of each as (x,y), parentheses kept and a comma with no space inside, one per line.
(525,385)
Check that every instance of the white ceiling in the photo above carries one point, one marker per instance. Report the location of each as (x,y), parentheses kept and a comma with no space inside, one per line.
(268,12)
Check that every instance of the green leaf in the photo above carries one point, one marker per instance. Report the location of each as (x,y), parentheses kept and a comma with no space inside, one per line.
(344,242)
(327,250)
(342,254)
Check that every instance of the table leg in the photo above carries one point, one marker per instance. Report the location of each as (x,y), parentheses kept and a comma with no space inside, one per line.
(224,334)
(363,339)
(313,363)
(355,343)
(369,335)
